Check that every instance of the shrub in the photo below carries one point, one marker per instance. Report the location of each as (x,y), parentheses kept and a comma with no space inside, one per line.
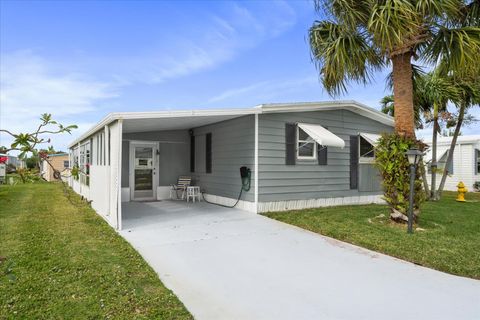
(27,175)
(75,172)
(395,171)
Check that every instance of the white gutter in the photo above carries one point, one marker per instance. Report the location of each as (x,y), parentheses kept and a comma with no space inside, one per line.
(329,105)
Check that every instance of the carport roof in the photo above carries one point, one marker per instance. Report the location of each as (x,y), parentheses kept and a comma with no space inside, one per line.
(186,119)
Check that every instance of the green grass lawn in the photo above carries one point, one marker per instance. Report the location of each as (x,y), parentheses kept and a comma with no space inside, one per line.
(64,262)
(450,241)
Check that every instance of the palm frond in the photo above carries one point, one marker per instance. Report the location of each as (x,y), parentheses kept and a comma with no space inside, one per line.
(387,105)
(470,14)
(392,23)
(350,12)
(455,48)
(450,9)
(342,54)
(435,88)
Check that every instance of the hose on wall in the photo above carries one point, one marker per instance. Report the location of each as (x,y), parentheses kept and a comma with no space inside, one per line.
(245,175)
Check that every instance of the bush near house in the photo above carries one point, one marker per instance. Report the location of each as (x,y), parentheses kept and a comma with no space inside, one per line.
(60,260)
(447,236)
(394,169)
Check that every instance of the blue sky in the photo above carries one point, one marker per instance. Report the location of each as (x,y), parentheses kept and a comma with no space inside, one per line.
(80,60)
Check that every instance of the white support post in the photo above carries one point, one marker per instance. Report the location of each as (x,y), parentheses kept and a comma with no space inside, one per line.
(106,156)
(119,186)
(115,169)
(256,163)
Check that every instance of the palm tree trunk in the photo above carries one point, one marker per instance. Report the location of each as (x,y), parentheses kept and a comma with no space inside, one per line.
(433,163)
(461,115)
(424,179)
(403,94)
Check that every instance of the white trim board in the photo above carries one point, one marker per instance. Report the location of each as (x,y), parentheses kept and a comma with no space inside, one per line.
(242,204)
(294,204)
(317,203)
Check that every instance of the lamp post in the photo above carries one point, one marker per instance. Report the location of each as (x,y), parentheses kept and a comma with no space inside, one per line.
(414,155)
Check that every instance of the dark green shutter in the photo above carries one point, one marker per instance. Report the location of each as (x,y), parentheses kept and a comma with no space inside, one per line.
(208,153)
(354,162)
(192,153)
(322,155)
(290,143)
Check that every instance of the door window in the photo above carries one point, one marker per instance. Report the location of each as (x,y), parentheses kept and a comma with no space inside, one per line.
(143,172)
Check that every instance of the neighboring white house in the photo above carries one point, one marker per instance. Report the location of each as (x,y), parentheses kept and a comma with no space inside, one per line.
(466,161)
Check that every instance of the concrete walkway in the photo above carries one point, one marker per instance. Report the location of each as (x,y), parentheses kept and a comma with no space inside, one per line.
(229,264)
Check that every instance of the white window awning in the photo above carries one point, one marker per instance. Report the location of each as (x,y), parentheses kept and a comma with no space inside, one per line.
(322,136)
(428,157)
(370,137)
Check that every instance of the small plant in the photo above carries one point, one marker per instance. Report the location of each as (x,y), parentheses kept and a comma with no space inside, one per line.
(28,175)
(6,269)
(395,171)
(75,172)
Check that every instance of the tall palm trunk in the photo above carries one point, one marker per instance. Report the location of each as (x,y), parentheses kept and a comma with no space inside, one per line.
(403,94)
(433,163)
(424,179)
(461,115)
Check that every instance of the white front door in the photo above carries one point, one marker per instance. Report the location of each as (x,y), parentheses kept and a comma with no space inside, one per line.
(143,170)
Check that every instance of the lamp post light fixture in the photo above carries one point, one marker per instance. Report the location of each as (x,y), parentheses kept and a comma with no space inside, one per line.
(414,155)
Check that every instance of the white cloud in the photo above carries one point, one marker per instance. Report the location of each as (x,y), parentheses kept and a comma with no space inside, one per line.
(267,90)
(30,86)
(220,40)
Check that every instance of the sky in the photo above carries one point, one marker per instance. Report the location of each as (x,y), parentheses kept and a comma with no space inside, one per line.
(81,60)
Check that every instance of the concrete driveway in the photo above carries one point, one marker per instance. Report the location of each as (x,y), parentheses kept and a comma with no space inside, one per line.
(229,264)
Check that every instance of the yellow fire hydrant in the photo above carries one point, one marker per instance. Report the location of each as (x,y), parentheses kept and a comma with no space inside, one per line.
(461,191)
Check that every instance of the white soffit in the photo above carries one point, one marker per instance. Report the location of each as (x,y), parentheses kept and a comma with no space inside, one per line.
(371,138)
(173,123)
(322,136)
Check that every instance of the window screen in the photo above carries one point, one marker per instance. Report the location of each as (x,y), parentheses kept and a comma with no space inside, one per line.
(366,149)
(306,146)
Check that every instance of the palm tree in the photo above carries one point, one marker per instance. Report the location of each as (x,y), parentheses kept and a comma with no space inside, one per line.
(434,90)
(360,37)
(468,88)
(387,105)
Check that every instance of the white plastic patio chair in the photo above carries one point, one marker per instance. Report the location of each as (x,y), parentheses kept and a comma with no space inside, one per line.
(182,184)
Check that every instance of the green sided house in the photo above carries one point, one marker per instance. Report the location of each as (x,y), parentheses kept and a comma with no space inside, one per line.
(300,155)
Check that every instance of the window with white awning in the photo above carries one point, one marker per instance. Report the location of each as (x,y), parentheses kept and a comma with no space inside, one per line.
(322,136)
(441,161)
(367,144)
